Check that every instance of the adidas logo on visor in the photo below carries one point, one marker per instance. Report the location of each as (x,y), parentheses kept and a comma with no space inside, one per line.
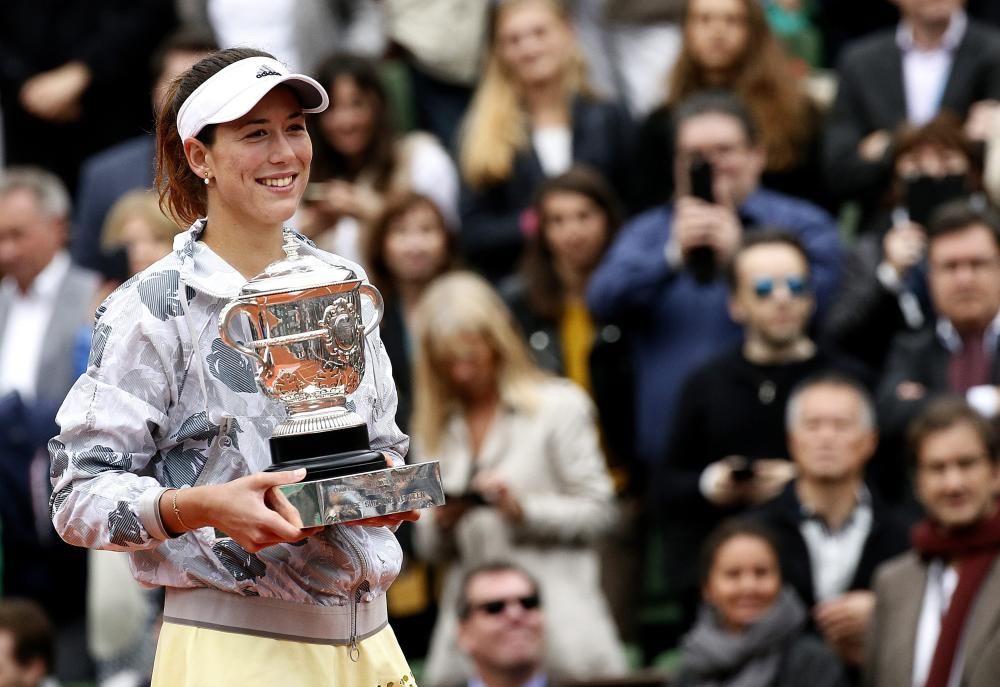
(266,71)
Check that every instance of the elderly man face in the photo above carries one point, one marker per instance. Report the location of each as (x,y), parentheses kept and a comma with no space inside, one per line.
(29,238)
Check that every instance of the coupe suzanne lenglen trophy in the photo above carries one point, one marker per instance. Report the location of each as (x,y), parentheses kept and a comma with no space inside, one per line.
(306,337)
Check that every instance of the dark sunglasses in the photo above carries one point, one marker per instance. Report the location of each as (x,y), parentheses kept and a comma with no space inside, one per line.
(797,286)
(527,603)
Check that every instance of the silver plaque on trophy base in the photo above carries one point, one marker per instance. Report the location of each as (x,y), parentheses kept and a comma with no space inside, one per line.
(366,494)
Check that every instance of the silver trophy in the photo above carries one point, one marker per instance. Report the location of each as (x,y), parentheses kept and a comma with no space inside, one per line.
(305,331)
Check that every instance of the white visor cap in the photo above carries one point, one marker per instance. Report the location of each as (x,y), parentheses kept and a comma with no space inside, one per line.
(235,90)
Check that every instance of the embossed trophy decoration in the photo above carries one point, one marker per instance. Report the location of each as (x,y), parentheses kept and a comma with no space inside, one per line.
(307,339)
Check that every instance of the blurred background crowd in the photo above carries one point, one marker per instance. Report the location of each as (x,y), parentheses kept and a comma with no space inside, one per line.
(648,265)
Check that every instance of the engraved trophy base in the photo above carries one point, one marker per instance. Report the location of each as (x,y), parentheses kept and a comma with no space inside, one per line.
(346,480)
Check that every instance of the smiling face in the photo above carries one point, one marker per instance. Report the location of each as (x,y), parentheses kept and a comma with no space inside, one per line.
(743,582)
(717,32)
(955,479)
(259,164)
(508,641)
(534,43)
(416,246)
(349,122)
(575,228)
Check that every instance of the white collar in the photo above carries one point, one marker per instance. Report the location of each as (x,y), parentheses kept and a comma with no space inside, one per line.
(46,284)
(953,35)
(953,342)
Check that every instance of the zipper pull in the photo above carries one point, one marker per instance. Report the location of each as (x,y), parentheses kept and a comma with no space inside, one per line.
(355,651)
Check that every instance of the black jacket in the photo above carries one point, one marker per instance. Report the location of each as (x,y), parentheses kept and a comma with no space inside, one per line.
(491,238)
(783,515)
(611,375)
(871,97)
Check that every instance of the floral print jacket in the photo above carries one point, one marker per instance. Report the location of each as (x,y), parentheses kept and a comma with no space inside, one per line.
(164,403)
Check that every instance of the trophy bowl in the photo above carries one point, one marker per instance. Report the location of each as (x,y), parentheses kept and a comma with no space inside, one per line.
(304,329)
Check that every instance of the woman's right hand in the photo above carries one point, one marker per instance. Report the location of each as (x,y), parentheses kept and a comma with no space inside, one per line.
(250,509)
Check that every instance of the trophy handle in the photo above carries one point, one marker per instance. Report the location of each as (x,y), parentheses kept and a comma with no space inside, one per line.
(228,313)
(373,293)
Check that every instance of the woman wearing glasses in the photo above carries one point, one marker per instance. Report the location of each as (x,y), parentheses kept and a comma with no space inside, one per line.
(521,463)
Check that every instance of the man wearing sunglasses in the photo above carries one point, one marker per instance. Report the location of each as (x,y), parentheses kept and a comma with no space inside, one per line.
(728,449)
(501,627)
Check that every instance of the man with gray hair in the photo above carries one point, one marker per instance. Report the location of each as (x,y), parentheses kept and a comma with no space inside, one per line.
(832,531)
(45,302)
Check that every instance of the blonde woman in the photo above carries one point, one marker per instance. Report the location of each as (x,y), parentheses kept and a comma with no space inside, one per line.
(523,468)
(531,118)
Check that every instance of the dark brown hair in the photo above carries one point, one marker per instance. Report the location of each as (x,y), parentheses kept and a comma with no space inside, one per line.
(764,80)
(944,412)
(379,156)
(731,529)
(944,132)
(958,215)
(33,635)
(182,192)
(397,207)
(545,292)
(763,237)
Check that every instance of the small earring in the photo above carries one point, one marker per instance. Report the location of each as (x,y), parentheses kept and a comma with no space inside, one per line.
(207,179)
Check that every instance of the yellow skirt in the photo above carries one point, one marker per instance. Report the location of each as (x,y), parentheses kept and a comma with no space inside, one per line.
(188,656)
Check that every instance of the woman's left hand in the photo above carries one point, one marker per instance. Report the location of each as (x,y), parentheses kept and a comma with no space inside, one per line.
(495,489)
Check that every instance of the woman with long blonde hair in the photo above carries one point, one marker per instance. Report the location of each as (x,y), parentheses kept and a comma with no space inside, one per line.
(727,45)
(532,116)
(524,474)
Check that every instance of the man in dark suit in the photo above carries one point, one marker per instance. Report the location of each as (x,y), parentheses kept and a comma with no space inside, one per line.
(832,531)
(936,59)
(44,302)
(937,607)
(957,352)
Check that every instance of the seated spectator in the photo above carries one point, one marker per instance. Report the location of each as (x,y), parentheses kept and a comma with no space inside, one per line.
(532,117)
(578,217)
(751,628)
(728,449)
(523,470)
(409,245)
(359,159)
(501,626)
(885,277)
(663,273)
(936,59)
(937,607)
(727,45)
(27,644)
(957,351)
(44,300)
(127,166)
(832,532)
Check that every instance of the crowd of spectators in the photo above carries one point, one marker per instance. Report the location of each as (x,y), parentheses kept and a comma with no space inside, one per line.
(697,302)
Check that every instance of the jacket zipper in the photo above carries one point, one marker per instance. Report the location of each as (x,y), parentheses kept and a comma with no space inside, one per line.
(355,652)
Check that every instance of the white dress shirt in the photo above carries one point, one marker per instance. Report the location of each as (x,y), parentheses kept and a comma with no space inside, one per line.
(834,554)
(941,584)
(27,319)
(925,72)
(554,147)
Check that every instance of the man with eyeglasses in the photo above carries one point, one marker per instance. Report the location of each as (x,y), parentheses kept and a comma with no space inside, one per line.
(728,448)
(663,277)
(957,352)
(501,628)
